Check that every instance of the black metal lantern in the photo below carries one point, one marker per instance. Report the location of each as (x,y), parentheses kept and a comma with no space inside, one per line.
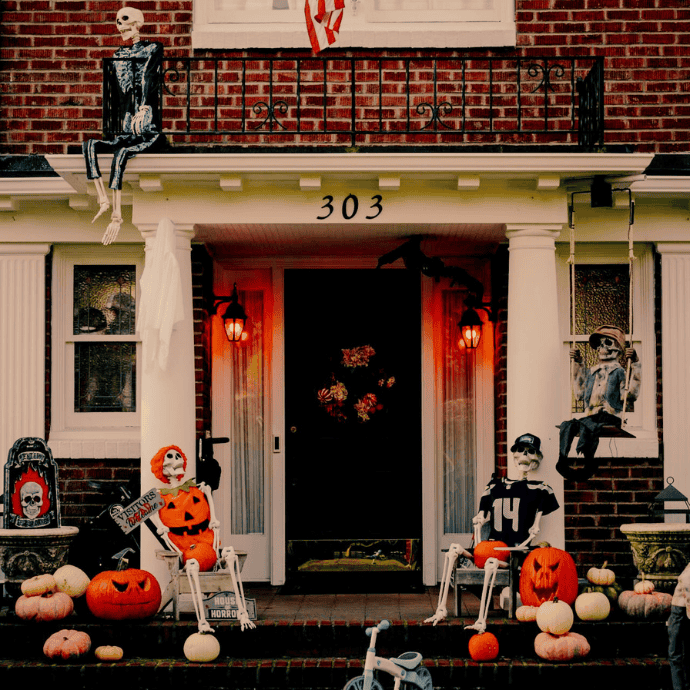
(234,319)
(658,506)
(470,326)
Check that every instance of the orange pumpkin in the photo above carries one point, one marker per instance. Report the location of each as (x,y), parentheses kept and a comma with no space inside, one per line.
(204,554)
(548,573)
(123,594)
(187,514)
(52,606)
(483,646)
(67,644)
(487,549)
(561,647)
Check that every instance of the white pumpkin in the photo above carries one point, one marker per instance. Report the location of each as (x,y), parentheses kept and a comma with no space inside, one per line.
(601,576)
(71,580)
(555,617)
(526,614)
(644,587)
(201,647)
(592,606)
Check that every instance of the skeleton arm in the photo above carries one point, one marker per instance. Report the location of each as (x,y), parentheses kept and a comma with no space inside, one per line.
(163,532)
(214,523)
(479,520)
(454,551)
(533,531)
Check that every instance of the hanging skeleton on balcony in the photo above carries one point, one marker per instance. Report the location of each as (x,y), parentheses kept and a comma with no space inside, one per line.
(133,84)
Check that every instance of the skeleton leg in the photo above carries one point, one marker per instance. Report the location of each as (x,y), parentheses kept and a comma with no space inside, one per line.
(192,567)
(489,577)
(232,562)
(103,202)
(448,566)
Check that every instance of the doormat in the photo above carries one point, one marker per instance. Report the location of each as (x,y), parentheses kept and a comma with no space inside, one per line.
(353,583)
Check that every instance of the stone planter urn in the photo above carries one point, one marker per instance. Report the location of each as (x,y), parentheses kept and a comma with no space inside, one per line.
(28,552)
(660,551)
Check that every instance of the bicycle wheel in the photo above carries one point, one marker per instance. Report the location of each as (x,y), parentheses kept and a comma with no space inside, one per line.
(423,681)
(357,683)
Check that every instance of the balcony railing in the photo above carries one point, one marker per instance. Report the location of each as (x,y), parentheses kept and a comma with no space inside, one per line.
(377,101)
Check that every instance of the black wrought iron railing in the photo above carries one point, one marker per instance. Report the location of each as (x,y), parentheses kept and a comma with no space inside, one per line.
(375,101)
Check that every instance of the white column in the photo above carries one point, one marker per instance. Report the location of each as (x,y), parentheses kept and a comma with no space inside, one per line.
(534,356)
(168,396)
(22,344)
(675,371)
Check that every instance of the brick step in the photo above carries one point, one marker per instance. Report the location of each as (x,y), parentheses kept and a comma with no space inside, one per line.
(651,673)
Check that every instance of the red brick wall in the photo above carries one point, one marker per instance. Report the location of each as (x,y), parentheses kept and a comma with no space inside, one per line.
(52,50)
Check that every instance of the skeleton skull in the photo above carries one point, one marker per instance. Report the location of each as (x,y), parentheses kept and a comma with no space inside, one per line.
(129,20)
(31,495)
(173,464)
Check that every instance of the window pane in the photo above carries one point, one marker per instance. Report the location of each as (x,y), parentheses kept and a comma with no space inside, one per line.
(601,297)
(104,300)
(105,376)
(459,442)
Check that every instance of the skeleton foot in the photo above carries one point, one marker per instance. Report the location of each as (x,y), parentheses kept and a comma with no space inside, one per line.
(111,231)
(245,623)
(439,616)
(104,206)
(478,626)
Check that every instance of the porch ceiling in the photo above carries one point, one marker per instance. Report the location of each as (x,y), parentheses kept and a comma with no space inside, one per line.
(358,240)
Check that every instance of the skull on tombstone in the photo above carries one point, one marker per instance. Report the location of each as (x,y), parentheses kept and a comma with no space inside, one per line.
(128,21)
(31,496)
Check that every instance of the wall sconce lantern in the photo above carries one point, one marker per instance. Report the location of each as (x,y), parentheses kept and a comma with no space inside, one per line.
(470,324)
(234,319)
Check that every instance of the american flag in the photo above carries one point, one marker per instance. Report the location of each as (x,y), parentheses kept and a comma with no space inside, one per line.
(323,22)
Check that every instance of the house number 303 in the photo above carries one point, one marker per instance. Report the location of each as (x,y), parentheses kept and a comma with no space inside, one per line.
(350,207)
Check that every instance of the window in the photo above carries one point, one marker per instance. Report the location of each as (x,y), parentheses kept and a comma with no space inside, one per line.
(602,296)
(95,347)
(366,23)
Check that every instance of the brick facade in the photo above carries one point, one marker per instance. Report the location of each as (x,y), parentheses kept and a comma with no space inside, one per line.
(52,54)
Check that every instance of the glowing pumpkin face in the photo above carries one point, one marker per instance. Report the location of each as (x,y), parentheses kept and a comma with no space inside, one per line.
(123,594)
(548,573)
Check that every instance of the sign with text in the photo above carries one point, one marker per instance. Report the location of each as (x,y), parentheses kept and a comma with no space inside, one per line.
(223,606)
(136,512)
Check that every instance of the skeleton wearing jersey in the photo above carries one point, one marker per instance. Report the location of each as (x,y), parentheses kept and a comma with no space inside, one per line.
(514,508)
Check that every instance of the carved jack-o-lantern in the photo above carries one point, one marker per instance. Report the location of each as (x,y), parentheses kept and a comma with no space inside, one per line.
(123,594)
(548,573)
(187,513)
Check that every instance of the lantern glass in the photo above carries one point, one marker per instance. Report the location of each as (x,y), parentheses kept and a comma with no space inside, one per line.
(234,319)
(470,329)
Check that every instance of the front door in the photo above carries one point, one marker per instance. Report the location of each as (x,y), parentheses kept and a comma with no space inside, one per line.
(352,408)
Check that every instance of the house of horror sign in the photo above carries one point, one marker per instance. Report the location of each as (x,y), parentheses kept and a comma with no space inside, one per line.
(31,487)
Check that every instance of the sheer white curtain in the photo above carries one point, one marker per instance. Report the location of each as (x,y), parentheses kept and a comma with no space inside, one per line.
(459,441)
(247,422)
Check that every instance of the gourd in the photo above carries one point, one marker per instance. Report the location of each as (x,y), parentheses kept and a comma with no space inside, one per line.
(52,606)
(483,646)
(109,653)
(592,606)
(652,605)
(601,576)
(201,647)
(561,647)
(643,586)
(555,617)
(526,614)
(71,580)
(123,594)
(548,573)
(67,644)
(39,584)
(487,549)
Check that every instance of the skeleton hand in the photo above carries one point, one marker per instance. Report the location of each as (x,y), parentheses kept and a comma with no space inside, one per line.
(142,119)
(113,228)
(440,615)
(576,356)
(630,354)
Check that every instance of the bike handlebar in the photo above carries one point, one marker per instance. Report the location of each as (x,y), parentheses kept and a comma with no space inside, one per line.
(383,625)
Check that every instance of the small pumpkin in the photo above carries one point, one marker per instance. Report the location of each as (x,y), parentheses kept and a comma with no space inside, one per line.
(71,580)
(109,653)
(52,606)
(592,606)
(38,585)
(601,576)
(526,614)
(123,594)
(555,617)
(548,573)
(67,644)
(204,554)
(201,647)
(483,646)
(561,647)
(654,605)
(488,549)
(643,586)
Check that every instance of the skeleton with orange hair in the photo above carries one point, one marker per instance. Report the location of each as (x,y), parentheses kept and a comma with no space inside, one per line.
(189,526)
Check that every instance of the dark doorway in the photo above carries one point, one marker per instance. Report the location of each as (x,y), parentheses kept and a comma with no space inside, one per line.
(353,403)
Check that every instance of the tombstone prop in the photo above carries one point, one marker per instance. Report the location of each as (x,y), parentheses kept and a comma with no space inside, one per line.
(132,114)
(31,487)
